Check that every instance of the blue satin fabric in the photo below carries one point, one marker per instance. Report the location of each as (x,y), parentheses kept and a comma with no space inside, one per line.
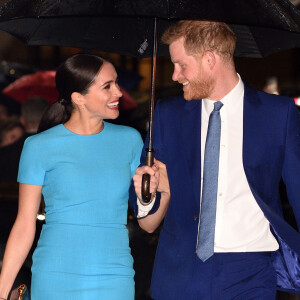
(287,266)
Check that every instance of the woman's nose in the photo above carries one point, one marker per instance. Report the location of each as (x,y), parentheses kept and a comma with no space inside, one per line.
(118,91)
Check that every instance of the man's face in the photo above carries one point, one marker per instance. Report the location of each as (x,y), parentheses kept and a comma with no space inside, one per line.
(190,71)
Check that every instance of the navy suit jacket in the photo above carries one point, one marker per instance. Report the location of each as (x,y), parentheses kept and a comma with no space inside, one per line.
(271,151)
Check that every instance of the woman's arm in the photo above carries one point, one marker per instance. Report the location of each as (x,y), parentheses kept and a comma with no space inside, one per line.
(21,236)
(159,182)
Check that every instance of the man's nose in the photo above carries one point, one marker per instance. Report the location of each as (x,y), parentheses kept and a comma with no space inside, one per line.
(175,74)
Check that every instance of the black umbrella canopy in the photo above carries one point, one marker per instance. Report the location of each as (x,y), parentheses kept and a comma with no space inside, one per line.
(126,26)
(254,12)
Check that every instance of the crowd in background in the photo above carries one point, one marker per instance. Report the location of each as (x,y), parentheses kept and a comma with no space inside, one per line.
(14,129)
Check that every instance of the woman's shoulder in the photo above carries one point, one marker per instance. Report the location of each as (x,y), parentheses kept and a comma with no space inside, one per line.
(123,130)
(46,136)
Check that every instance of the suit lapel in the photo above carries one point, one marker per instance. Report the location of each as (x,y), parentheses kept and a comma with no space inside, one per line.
(253,136)
(191,142)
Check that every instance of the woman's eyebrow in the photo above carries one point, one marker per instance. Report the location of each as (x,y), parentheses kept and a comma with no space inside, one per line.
(109,81)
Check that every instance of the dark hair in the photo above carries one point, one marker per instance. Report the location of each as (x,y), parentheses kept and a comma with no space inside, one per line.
(12,107)
(76,74)
(33,109)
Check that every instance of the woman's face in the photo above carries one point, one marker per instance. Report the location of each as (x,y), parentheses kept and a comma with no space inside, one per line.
(12,135)
(102,99)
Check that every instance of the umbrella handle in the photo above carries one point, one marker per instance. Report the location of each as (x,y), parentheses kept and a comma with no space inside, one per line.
(146,195)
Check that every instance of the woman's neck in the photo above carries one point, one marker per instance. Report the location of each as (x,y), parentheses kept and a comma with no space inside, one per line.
(84,125)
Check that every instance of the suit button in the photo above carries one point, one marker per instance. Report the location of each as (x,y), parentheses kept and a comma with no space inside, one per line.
(195,217)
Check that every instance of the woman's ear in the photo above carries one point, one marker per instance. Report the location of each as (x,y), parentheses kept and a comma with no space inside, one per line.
(77,99)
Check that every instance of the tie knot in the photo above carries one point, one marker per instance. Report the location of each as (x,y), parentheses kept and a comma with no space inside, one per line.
(218,105)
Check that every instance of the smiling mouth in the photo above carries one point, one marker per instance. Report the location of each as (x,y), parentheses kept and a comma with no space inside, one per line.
(184,84)
(113,105)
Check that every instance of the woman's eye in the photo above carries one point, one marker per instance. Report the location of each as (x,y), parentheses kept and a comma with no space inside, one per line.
(107,87)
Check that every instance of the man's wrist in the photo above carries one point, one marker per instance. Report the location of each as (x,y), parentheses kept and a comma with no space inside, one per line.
(145,208)
(153,196)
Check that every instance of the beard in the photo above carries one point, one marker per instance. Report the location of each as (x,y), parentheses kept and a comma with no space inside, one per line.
(199,88)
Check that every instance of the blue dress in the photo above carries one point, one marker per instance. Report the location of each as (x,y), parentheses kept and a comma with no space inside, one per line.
(83,251)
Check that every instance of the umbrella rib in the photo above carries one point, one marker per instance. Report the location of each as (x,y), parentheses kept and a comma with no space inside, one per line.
(287,20)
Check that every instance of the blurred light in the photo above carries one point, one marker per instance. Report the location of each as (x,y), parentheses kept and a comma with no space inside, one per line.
(41,217)
(297,101)
(295,2)
(130,217)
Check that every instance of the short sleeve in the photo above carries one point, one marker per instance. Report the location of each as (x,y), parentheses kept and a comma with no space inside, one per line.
(137,150)
(32,163)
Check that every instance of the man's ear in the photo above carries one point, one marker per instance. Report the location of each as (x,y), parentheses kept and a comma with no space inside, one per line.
(77,99)
(210,59)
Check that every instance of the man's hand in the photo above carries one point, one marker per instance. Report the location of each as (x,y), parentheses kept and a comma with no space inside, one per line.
(158,181)
(163,185)
(154,179)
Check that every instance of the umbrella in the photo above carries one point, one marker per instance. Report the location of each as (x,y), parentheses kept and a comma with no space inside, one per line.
(42,84)
(127,27)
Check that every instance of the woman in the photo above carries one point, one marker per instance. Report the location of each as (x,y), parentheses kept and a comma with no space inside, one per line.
(83,167)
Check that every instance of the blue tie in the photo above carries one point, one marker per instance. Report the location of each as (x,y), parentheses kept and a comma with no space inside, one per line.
(205,247)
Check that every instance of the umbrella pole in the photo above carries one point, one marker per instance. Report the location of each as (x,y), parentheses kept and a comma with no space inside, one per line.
(146,195)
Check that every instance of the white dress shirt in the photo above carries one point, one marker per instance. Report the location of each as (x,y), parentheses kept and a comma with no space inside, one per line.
(240,224)
(143,210)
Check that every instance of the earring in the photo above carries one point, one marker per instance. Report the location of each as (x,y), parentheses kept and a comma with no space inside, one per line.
(81,107)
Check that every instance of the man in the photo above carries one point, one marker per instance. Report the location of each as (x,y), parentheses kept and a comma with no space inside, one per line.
(224,236)
(32,111)
(31,114)
(8,107)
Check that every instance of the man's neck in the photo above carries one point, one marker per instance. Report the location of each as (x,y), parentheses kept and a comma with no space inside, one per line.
(226,80)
